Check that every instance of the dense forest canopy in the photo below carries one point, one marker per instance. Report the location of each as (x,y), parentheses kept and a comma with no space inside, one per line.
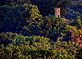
(30,30)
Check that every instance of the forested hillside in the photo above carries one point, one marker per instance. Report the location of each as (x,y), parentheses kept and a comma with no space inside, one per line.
(29,29)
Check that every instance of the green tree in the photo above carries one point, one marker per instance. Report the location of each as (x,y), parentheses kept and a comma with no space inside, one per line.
(79,54)
(79,22)
(35,13)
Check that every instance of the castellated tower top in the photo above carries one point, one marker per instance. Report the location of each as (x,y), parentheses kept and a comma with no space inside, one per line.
(57,12)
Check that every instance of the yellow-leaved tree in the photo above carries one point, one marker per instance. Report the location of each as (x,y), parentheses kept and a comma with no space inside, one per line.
(35,13)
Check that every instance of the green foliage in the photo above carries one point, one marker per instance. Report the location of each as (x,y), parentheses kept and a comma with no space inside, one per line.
(15,16)
(51,27)
(78,22)
(41,32)
(75,32)
(35,13)
(33,47)
(79,54)
(35,42)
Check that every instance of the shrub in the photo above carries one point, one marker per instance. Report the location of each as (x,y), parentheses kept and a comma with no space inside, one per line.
(33,47)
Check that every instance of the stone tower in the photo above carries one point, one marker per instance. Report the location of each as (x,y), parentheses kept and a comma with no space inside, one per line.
(57,12)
